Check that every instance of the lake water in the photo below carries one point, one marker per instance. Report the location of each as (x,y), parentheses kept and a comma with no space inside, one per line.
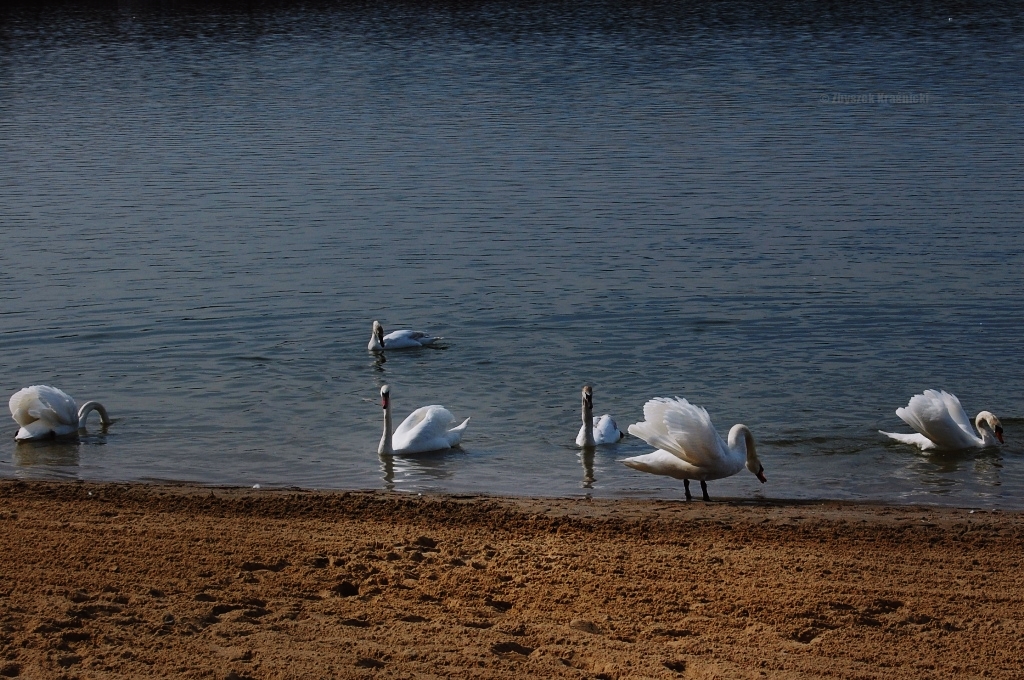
(797,215)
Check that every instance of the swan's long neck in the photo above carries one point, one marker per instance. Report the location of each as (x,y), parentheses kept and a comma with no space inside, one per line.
(741,442)
(588,421)
(87,408)
(385,439)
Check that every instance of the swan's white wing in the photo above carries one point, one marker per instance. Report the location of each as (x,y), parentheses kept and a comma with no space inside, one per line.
(43,403)
(918,440)
(929,414)
(956,412)
(406,338)
(679,427)
(425,429)
(653,429)
(433,419)
(662,462)
(605,430)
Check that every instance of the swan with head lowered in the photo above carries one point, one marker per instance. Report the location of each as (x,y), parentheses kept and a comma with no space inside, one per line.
(596,431)
(43,411)
(397,339)
(689,446)
(425,429)
(942,424)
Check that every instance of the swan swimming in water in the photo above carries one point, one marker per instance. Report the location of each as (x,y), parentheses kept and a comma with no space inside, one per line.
(43,411)
(689,446)
(425,429)
(596,431)
(942,424)
(397,339)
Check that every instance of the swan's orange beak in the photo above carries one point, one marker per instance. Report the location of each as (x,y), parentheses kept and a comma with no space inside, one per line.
(384,401)
(999,434)
(760,475)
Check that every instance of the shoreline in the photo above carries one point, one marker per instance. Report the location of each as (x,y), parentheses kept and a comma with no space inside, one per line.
(137,580)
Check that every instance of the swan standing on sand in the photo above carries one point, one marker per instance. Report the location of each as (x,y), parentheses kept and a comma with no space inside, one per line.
(426,429)
(941,423)
(43,411)
(596,431)
(397,339)
(689,446)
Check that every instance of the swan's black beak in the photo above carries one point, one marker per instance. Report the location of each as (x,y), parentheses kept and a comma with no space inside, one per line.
(999,433)
(760,475)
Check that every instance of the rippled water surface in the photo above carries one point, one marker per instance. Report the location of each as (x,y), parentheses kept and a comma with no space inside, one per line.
(797,216)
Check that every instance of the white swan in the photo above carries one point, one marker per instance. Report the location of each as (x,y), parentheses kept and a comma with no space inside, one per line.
(397,339)
(425,429)
(596,431)
(44,411)
(941,423)
(689,447)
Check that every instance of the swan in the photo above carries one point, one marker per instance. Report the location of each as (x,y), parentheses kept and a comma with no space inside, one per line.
(596,431)
(44,411)
(689,447)
(941,423)
(425,429)
(397,339)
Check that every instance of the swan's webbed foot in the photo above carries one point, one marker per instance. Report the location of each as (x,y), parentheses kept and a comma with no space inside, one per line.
(686,487)
(704,489)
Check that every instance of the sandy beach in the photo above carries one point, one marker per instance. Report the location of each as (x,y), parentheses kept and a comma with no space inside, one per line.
(130,581)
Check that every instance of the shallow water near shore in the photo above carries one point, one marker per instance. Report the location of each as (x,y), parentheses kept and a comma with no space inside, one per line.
(797,219)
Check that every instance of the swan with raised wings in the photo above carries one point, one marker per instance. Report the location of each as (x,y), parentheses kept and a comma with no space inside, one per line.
(425,429)
(43,411)
(689,446)
(403,339)
(596,431)
(942,424)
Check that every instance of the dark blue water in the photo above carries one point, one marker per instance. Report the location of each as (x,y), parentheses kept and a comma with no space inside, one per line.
(796,215)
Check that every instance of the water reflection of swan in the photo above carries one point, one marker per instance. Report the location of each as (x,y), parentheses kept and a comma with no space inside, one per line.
(977,472)
(587,459)
(411,469)
(43,411)
(942,424)
(403,339)
(51,454)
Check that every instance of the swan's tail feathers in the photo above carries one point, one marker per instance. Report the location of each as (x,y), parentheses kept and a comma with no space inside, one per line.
(455,434)
(638,463)
(430,341)
(660,463)
(918,440)
(34,430)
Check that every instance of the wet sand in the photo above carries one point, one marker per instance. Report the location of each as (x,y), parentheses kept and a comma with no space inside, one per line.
(135,581)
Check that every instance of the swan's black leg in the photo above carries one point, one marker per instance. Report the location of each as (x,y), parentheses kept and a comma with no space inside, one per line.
(704,488)
(686,487)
